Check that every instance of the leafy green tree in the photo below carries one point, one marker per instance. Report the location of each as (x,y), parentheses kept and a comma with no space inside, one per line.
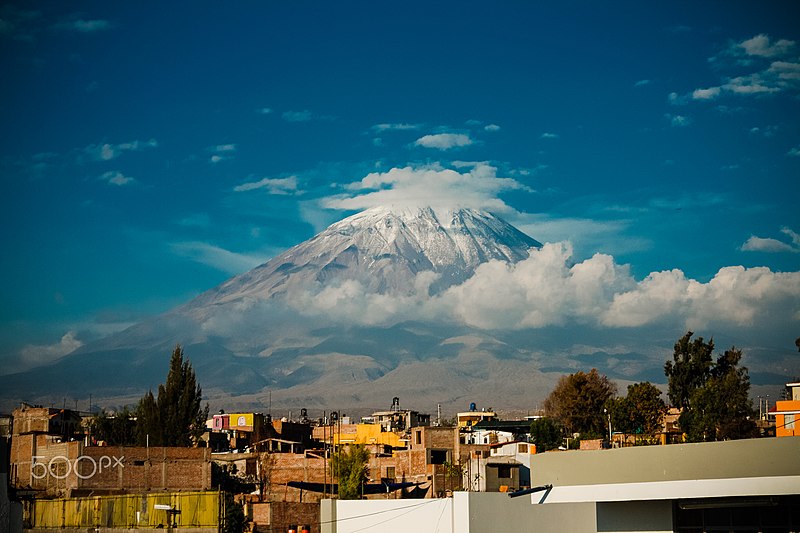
(116,429)
(713,395)
(689,369)
(453,476)
(350,468)
(174,418)
(578,400)
(640,411)
(546,434)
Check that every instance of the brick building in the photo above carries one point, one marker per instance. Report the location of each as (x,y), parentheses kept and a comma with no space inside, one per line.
(48,458)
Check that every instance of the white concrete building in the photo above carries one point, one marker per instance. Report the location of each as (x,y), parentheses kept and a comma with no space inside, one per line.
(748,485)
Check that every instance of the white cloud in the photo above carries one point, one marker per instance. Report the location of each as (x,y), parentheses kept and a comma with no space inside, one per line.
(760,46)
(222,152)
(642,83)
(475,187)
(760,244)
(264,111)
(706,94)
(794,152)
(549,135)
(768,244)
(752,84)
(792,235)
(107,151)
(491,127)
(677,99)
(551,289)
(397,126)
(35,355)
(774,68)
(678,121)
(736,296)
(277,186)
(444,141)
(297,116)
(216,257)
(115,177)
(768,131)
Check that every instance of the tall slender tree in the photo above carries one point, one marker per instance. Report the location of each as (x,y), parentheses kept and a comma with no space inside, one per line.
(174,418)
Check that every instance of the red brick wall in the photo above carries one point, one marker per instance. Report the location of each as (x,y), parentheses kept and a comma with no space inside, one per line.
(106,468)
(142,469)
(277,516)
(50,464)
(594,444)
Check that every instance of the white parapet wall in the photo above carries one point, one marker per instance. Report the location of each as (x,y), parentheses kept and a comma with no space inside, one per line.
(387,516)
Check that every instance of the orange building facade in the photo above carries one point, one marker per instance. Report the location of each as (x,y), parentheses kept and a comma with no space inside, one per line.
(787,413)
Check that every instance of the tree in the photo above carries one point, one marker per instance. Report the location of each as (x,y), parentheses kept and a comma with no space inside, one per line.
(233,519)
(690,368)
(174,418)
(713,395)
(545,434)
(350,468)
(640,411)
(116,429)
(453,476)
(578,400)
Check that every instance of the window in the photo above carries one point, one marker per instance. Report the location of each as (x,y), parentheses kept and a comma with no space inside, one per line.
(437,457)
(504,472)
(390,472)
(522,448)
(788,421)
(419,436)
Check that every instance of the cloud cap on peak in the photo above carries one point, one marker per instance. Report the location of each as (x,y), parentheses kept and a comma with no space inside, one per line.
(477,187)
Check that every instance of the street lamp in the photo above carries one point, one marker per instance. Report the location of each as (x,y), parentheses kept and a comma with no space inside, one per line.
(609,425)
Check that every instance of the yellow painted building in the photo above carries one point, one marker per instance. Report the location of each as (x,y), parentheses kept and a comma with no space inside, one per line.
(241,421)
(469,418)
(365,434)
(129,511)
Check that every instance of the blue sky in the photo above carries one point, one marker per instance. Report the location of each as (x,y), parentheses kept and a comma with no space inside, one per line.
(150,153)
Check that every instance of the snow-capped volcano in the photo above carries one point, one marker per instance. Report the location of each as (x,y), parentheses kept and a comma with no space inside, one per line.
(252,333)
(383,249)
